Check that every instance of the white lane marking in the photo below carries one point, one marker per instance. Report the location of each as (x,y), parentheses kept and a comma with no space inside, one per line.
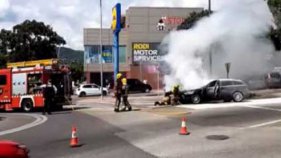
(39,120)
(264,124)
(255,103)
(226,105)
(262,107)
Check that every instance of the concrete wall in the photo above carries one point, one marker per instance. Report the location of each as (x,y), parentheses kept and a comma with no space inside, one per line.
(92,36)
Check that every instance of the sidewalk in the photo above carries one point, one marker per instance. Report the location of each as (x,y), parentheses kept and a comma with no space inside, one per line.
(133,98)
(150,98)
(267,93)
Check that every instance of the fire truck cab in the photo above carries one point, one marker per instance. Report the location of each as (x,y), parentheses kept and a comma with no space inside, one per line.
(22,83)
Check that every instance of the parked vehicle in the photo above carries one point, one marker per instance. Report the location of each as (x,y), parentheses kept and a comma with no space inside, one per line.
(90,89)
(256,82)
(273,79)
(20,84)
(221,89)
(136,85)
(10,149)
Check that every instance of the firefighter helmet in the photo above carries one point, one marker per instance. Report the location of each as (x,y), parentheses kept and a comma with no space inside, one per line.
(124,81)
(118,75)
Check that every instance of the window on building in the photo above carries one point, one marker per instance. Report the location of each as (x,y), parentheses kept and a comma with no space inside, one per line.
(92,54)
(122,54)
(107,54)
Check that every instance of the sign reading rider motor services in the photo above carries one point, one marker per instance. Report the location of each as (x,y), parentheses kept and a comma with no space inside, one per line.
(146,52)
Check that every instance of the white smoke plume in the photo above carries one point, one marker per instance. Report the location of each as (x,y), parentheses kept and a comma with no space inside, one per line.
(234,33)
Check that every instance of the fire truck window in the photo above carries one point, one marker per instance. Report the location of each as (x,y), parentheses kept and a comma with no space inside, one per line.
(3,79)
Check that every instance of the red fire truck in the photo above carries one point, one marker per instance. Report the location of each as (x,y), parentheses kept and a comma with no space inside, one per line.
(21,84)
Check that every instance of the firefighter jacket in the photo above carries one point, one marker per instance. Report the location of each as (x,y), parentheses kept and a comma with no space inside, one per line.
(118,87)
(124,87)
(49,92)
(176,91)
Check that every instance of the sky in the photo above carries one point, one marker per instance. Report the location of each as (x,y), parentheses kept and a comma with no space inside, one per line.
(69,17)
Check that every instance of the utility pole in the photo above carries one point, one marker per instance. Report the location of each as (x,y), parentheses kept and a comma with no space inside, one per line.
(58,52)
(101,58)
(210,54)
(210,6)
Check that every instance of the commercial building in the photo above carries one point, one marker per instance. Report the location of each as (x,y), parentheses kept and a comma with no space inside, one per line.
(139,55)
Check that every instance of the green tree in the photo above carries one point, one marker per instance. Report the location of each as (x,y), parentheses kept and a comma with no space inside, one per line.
(275,34)
(5,42)
(30,40)
(275,7)
(191,20)
(77,71)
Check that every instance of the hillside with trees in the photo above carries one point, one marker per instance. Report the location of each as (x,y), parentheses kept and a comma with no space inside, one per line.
(30,40)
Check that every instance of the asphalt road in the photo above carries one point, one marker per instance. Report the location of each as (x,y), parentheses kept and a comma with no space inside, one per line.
(225,131)
(220,132)
(97,138)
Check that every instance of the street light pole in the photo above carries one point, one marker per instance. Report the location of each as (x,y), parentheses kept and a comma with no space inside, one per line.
(210,55)
(101,58)
(58,52)
(210,6)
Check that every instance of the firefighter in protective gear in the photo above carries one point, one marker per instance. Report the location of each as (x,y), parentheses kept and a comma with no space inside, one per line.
(126,103)
(176,95)
(49,94)
(166,99)
(118,91)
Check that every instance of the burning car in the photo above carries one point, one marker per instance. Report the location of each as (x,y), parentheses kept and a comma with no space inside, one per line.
(221,89)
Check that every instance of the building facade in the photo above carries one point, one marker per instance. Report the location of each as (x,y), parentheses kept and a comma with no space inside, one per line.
(139,54)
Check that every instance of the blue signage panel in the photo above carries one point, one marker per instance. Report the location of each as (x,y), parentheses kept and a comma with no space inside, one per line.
(116,18)
(116,27)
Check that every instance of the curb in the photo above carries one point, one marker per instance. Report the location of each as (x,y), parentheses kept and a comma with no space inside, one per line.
(2,118)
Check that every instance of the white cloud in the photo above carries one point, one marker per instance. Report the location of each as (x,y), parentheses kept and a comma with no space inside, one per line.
(69,17)
(4,6)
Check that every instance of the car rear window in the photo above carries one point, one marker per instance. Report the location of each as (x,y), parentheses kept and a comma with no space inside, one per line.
(226,83)
(275,75)
(95,86)
(87,86)
(238,83)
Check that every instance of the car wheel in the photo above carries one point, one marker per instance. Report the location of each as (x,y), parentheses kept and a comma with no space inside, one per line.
(147,90)
(104,93)
(82,94)
(27,105)
(237,96)
(195,99)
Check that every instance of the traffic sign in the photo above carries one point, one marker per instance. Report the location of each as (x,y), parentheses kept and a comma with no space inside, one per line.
(227,67)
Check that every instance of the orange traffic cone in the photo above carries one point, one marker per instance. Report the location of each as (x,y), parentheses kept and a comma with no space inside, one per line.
(74,138)
(183,130)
